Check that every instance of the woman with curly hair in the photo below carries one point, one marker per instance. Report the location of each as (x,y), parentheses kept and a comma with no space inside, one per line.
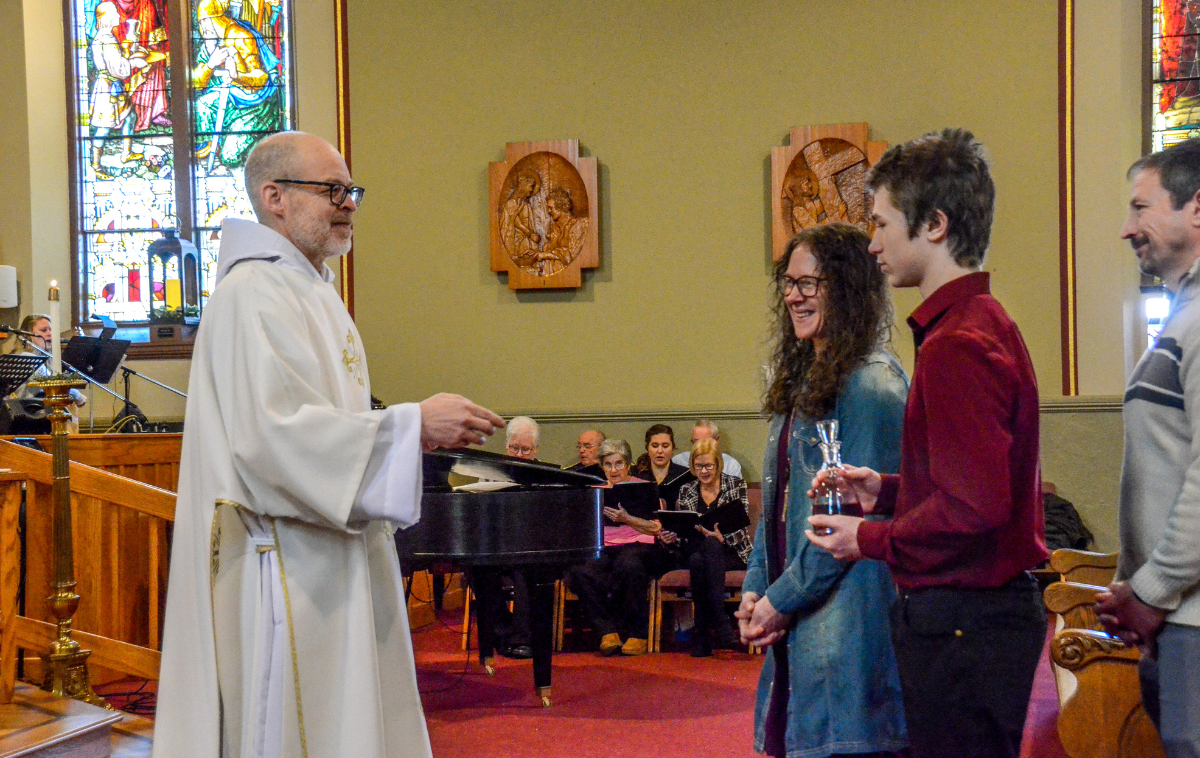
(829,683)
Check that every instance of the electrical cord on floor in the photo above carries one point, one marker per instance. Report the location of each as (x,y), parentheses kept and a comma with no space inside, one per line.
(408,593)
(461,674)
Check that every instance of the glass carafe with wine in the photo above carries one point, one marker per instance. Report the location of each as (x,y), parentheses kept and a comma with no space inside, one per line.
(828,499)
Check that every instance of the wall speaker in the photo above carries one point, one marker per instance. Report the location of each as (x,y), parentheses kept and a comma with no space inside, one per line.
(8,287)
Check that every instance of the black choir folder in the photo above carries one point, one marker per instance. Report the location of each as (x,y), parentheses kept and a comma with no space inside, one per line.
(731,517)
(639,499)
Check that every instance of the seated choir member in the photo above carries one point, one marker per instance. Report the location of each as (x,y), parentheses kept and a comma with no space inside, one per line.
(613,587)
(655,465)
(588,444)
(706,430)
(829,681)
(711,553)
(510,629)
(38,325)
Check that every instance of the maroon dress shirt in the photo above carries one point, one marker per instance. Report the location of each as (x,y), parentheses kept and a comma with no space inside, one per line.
(967,503)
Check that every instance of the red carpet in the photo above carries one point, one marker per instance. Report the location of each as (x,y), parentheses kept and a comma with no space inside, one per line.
(662,705)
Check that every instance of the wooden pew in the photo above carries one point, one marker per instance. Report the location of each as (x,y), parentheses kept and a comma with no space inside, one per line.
(1100,701)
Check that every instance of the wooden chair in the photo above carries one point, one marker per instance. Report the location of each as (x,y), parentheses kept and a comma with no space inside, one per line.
(563,595)
(1100,708)
(673,585)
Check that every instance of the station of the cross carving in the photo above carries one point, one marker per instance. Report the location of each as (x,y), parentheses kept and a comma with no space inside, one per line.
(543,215)
(819,178)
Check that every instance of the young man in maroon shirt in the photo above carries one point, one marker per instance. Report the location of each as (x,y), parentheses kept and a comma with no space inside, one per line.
(965,510)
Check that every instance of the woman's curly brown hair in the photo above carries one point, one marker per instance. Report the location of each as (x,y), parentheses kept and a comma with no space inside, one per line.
(857,317)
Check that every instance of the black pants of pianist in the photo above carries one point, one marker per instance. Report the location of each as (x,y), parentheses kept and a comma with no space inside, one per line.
(614,587)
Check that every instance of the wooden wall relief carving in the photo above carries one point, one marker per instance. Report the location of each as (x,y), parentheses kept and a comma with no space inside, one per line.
(544,214)
(820,177)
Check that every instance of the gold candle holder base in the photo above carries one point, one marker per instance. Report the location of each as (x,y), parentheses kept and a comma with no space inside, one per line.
(67,673)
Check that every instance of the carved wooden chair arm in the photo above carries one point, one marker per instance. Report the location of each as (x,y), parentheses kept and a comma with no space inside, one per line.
(1073,649)
(1063,597)
(1074,602)
(1084,566)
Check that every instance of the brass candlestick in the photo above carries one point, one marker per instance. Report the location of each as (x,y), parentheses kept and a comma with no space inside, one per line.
(65,663)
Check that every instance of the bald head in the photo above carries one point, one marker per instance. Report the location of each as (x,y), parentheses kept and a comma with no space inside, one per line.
(279,156)
(297,208)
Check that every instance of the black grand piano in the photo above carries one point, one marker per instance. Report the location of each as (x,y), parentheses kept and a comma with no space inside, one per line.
(549,519)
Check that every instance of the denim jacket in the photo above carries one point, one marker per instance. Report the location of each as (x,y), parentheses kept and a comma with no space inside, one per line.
(844,686)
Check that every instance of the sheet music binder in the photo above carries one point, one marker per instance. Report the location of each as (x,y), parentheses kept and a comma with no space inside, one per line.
(15,370)
(731,516)
(639,499)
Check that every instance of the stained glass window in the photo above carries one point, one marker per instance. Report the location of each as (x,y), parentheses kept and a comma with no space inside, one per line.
(240,84)
(1176,72)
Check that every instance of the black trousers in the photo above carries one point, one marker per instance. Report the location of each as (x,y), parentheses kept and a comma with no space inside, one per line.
(967,660)
(613,587)
(707,561)
(506,628)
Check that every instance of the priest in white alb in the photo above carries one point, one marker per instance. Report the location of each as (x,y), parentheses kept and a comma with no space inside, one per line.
(286,625)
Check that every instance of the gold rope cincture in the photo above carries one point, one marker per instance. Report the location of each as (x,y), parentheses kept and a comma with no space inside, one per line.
(287,602)
(214,568)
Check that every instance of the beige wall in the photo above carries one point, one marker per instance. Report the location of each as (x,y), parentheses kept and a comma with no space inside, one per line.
(1108,138)
(1081,454)
(15,220)
(681,108)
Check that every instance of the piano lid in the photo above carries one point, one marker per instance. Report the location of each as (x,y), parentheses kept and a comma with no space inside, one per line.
(440,464)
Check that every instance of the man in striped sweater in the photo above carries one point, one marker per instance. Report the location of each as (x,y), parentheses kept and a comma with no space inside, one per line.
(1155,602)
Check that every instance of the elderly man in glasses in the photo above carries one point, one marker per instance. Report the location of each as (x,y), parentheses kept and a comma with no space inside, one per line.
(286,627)
(588,444)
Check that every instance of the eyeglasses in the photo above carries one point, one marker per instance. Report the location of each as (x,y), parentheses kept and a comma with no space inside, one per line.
(337,192)
(520,451)
(808,285)
(706,467)
(614,465)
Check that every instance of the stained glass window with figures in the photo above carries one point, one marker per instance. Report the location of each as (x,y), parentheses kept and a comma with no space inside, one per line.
(239,81)
(1175,97)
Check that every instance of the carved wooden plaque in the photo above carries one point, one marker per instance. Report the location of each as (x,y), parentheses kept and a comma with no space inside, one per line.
(544,214)
(821,177)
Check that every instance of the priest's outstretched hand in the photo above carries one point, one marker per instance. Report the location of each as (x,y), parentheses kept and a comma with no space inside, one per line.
(453,421)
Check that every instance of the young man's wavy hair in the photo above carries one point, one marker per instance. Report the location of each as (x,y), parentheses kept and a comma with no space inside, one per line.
(945,172)
(857,317)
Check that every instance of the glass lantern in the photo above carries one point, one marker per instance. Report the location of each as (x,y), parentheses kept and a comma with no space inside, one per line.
(173,269)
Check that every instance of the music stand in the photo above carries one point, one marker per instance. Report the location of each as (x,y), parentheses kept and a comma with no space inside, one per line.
(96,357)
(15,370)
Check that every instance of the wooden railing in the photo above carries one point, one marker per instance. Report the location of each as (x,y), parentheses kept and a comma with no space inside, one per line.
(120,539)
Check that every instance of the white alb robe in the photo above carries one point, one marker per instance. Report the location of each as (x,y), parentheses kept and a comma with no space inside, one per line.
(284,578)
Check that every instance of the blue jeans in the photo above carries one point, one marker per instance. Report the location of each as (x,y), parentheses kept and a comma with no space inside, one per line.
(1171,689)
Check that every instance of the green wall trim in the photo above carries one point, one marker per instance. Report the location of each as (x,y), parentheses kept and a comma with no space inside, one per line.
(617,416)
(1088,404)
(1091,404)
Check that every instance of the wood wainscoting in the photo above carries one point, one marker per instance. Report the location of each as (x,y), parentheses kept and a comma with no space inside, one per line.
(121,553)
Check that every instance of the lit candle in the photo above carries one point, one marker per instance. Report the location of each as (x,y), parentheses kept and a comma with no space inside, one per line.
(55,342)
